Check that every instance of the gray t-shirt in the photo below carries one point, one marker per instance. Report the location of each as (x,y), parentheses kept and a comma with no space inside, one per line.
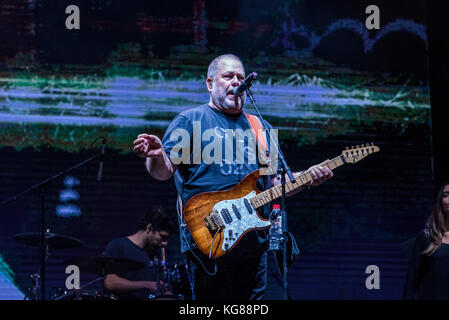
(205,130)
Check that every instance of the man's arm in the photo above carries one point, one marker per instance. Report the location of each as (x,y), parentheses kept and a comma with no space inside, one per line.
(114,282)
(160,168)
(157,162)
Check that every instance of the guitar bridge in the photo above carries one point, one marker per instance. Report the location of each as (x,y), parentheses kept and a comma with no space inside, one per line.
(214,221)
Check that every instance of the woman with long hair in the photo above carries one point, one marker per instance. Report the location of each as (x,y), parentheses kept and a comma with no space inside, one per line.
(428,272)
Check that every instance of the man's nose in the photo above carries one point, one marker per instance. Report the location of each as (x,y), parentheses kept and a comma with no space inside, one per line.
(235,81)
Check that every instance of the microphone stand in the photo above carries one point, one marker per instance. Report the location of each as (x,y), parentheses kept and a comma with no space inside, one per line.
(283,171)
(44,251)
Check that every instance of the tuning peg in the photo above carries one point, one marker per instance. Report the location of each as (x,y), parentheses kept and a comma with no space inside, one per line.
(352,147)
(372,144)
(363,145)
(357,146)
(347,148)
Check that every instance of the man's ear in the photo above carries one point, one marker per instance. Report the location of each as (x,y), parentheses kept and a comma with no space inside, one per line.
(209,83)
(149,228)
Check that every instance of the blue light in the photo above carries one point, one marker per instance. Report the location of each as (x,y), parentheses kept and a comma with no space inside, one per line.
(8,290)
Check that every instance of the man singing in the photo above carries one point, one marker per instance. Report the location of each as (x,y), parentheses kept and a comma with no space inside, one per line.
(241,273)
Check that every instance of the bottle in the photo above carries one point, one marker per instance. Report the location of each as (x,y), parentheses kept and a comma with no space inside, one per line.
(275,233)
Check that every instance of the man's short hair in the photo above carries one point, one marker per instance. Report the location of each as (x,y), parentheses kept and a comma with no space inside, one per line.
(213,66)
(160,220)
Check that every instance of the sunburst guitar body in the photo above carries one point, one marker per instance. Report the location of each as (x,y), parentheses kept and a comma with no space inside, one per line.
(224,215)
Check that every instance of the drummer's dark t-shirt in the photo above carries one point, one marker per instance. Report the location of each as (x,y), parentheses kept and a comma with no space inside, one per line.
(125,249)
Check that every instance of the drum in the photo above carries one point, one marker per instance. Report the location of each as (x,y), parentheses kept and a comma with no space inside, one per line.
(179,280)
(82,295)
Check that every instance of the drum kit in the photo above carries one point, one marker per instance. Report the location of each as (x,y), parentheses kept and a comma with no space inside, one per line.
(176,276)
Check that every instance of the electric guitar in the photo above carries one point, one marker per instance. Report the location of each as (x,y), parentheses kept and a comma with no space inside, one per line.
(218,220)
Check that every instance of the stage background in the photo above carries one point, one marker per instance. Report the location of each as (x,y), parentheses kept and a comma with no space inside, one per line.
(326,82)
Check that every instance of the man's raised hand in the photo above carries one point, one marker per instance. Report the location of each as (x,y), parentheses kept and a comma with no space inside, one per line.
(148,146)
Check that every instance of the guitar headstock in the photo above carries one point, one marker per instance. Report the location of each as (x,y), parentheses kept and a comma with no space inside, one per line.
(353,155)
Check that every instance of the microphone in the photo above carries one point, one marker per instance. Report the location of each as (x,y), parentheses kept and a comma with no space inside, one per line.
(100,166)
(238,91)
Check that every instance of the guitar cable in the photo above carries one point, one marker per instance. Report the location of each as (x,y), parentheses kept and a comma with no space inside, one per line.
(199,260)
(213,240)
(188,244)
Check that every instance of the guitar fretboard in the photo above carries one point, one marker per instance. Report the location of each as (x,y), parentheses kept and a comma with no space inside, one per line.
(276,192)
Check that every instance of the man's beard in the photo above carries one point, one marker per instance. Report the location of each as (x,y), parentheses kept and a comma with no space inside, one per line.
(221,102)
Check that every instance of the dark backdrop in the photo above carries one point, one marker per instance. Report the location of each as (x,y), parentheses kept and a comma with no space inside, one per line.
(357,219)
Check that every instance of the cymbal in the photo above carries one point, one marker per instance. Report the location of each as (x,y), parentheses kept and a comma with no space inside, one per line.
(54,240)
(106,264)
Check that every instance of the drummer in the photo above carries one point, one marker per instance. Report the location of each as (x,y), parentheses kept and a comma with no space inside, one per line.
(154,231)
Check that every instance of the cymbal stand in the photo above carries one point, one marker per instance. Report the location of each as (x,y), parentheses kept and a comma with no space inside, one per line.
(44,242)
(33,292)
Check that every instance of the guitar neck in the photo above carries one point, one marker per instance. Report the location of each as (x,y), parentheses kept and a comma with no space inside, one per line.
(276,192)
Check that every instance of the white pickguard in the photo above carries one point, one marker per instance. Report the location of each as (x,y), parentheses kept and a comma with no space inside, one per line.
(237,227)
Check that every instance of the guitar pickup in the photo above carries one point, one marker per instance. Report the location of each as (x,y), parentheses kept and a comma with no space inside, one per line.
(236,212)
(248,206)
(226,216)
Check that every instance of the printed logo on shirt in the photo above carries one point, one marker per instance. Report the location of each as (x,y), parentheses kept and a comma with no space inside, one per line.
(239,147)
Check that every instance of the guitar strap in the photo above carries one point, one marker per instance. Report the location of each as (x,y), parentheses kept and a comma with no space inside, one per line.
(261,138)
(260,135)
